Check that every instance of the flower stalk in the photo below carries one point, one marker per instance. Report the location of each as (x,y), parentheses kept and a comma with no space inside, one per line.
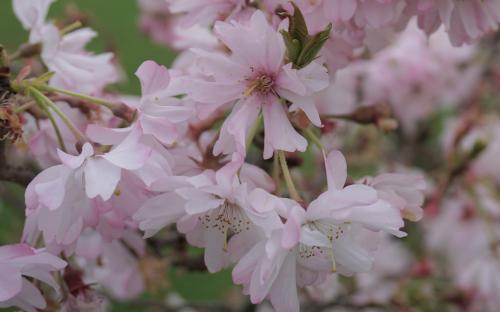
(46,103)
(294,194)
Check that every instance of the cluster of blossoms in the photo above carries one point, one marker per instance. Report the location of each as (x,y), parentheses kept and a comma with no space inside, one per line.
(210,153)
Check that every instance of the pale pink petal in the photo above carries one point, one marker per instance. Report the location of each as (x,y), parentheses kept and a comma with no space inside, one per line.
(219,66)
(10,282)
(263,47)
(279,132)
(76,161)
(350,255)
(379,216)
(336,204)
(154,78)
(242,272)
(215,92)
(47,188)
(234,131)
(159,212)
(215,257)
(289,79)
(227,174)
(305,103)
(161,128)
(292,227)
(107,136)
(129,154)
(199,201)
(101,178)
(31,13)
(256,177)
(336,170)
(283,294)
(340,10)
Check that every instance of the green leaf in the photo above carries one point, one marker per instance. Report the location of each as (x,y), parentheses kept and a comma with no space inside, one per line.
(302,48)
(45,77)
(297,27)
(293,46)
(313,46)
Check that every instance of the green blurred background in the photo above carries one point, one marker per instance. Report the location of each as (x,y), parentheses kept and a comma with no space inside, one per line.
(116,21)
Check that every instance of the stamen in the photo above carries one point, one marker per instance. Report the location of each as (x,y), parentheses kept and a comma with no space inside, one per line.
(250,89)
(333,232)
(70,28)
(334,262)
(225,238)
(262,84)
(228,219)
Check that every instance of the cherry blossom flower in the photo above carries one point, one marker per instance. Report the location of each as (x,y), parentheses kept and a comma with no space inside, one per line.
(75,185)
(425,71)
(482,277)
(402,191)
(112,264)
(374,14)
(170,30)
(158,112)
(205,13)
(322,239)
(474,265)
(19,264)
(344,39)
(486,165)
(42,139)
(32,14)
(465,21)
(390,259)
(181,160)
(64,54)
(213,210)
(155,20)
(256,78)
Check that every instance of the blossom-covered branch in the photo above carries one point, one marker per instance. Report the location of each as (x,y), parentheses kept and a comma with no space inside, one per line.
(252,148)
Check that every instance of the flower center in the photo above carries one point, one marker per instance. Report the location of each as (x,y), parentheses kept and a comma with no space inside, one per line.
(263,84)
(229,219)
(332,232)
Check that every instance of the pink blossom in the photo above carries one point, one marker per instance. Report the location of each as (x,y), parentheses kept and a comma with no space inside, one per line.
(42,139)
(31,14)
(465,21)
(63,199)
(219,217)
(486,165)
(181,166)
(425,71)
(206,12)
(324,238)
(158,113)
(85,301)
(390,259)
(402,191)
(372,13)
(65,55)
(18,265)
(113,264)
(255,78)
(345,37)
(482,277)
(213,210)
(474,265)
(157,21)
